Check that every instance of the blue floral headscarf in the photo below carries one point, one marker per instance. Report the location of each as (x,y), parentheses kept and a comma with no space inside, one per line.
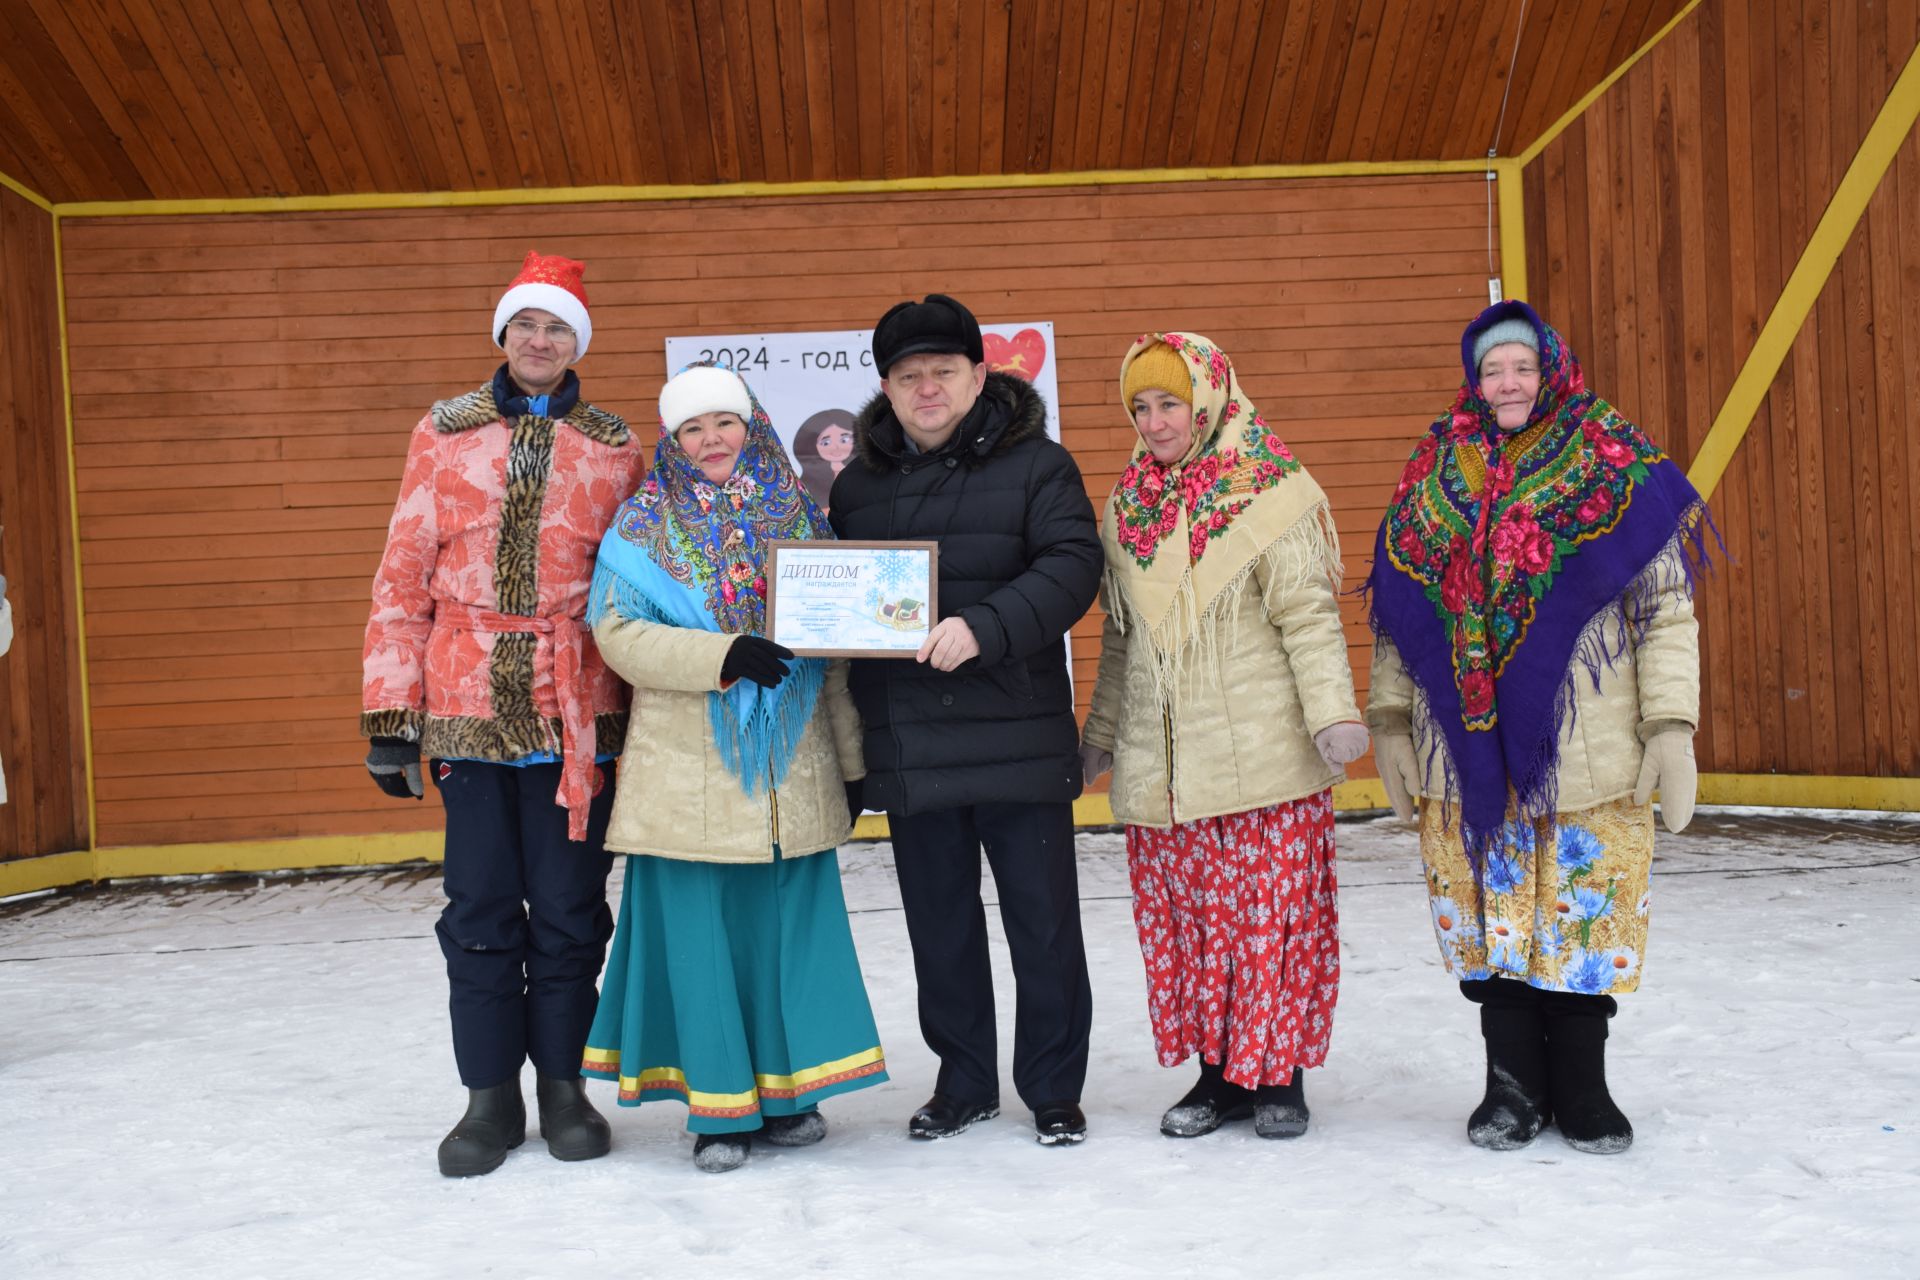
(685,552)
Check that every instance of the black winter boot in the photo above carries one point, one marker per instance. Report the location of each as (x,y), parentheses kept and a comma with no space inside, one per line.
(1517,1104)
(721,1152)
(1209,1104)
(1280,1110)
(572,1128)
(1577,1066)
(495,1123)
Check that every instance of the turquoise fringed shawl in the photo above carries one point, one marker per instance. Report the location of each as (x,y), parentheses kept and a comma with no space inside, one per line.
(685,552)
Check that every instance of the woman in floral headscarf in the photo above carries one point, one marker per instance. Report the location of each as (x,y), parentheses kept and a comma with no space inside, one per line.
(1224,707)
(1536,672)
(732,983)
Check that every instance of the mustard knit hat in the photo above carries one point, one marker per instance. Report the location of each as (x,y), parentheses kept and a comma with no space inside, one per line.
(1158,366)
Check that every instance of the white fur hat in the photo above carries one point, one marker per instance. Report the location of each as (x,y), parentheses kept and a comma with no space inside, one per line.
(702,389)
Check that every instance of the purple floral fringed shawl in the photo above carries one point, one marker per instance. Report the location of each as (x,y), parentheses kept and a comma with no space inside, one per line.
(1508,563)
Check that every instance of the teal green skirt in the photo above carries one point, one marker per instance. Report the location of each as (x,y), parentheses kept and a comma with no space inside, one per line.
(735,989)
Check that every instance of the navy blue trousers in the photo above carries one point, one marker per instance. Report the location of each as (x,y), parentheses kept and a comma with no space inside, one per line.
(1030,848)
(526,923)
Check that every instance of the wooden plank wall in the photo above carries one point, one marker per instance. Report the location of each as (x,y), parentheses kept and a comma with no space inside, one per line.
(41,735)
(243,388)
(1662,228)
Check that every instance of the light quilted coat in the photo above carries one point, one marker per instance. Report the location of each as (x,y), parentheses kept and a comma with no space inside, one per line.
(676,799)
(1653,685)
(1241,728)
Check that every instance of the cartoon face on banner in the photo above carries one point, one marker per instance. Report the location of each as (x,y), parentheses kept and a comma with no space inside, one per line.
(812,384)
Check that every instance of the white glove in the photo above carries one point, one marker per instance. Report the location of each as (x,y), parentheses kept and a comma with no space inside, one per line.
(1399,771)
(1668,764)
(1341,743)
(1094,761)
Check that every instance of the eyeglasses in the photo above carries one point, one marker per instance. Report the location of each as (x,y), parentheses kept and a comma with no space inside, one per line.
(558,334)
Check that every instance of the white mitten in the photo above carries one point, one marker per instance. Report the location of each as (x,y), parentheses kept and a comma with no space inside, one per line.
(1094,761)
(1399,771)
(1341,743)
(1668,764)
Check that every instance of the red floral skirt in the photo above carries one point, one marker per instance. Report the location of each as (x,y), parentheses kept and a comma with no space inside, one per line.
(1241,935)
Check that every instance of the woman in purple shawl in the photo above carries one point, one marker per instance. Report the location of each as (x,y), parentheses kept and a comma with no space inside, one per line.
(1536,675)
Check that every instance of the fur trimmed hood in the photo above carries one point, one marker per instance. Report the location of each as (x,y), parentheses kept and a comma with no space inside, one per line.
(1015,412)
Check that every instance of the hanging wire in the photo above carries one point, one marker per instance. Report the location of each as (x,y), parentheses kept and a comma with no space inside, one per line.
(1493,149)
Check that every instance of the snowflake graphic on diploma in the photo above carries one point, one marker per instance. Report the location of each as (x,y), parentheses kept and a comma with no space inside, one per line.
(893,600)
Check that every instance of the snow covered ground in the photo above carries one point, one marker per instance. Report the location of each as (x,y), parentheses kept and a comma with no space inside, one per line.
(248,1078)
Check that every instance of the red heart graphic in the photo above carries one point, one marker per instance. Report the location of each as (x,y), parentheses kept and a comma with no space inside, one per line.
(1023,355)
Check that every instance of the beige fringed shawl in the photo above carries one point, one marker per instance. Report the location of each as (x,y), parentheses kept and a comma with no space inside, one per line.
(1184,539)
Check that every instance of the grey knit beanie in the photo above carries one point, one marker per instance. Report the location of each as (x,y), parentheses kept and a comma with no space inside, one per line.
(1514,329)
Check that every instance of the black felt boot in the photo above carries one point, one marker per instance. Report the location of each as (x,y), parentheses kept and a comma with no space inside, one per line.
(1577,1067)
(1208,1105)
(1280,1110)
(495,1123)
(1518,1103)
(572,1128)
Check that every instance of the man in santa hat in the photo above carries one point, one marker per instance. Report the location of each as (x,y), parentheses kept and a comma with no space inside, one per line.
(478,657)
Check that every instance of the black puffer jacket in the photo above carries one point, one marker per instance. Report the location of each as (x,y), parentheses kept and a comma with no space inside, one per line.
(1020,561)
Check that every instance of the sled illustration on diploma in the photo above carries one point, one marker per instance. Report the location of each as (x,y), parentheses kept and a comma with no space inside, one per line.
(904,614)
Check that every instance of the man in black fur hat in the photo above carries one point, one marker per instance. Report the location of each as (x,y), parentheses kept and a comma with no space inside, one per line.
(974,744)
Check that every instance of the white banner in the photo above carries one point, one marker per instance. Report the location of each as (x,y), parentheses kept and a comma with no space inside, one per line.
(812,384)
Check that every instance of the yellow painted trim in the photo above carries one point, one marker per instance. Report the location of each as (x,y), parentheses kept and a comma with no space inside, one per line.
(267,855)
(1787,791)
(26,875)
(73,532)
(1579,108)
(1513,229)
(1829,241)
(54,871)
(731,190)
(26,192)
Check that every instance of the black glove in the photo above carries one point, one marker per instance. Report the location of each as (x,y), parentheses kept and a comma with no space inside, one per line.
(854,790)
(753,658)
(395,766)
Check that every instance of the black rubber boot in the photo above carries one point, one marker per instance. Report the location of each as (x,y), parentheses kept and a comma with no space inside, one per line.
(1280,1110)
(1577,1067)
(572,1128)
(1518,1104)
(1209,1104)
(495,1123)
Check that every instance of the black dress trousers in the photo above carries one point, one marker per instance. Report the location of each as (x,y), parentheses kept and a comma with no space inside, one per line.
(1030,848)
(526,923)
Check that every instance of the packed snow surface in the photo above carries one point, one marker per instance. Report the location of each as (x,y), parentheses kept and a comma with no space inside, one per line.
(248,1078)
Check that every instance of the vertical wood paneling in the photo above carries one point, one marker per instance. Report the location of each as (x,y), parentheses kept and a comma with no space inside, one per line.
(1705,170)
(244,386)
(42,746)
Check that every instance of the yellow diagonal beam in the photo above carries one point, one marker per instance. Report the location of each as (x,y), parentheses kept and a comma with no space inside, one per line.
(1844,211)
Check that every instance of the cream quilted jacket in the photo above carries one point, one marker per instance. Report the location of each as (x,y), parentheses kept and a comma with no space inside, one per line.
(675,799)
(1237,734)
(1655,685)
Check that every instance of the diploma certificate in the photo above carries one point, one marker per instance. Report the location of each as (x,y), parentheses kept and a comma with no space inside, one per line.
(852,599)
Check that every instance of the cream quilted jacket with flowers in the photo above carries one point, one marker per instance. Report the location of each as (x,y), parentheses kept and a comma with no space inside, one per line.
(494,517)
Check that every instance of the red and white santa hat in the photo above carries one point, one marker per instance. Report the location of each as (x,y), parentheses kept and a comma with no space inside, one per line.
(551,283)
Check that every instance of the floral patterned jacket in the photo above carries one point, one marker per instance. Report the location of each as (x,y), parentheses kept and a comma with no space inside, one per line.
(484,582)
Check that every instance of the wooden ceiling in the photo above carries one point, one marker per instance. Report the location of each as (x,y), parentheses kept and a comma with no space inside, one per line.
(172,99)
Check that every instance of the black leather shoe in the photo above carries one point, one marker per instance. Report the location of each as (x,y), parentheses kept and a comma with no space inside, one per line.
(572,1128)
(1059,1124)
(495,1123)
(943,1117)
